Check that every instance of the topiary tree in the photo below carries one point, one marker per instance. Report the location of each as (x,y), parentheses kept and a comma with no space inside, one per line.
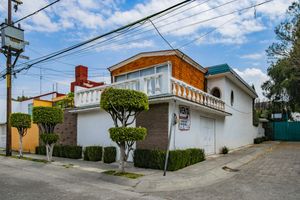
(124,106)
(21,122)
(47,118)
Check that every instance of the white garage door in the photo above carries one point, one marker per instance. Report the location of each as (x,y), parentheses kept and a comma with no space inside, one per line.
(208,132)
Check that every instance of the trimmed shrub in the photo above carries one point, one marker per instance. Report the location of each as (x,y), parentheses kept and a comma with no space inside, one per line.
(20,121)
(197,155)
(74,152)
(117,99)
(123,134)
(49,138)
(110,154)
(224,150)
(178,159)
(40,150)
(259,140)
(65,151)
(47,115)
(93,153)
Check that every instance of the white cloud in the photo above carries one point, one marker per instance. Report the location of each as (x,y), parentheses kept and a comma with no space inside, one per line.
(254,76)
(253,56)
(82,17)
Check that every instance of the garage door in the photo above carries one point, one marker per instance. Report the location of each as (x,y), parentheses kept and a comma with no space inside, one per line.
(208,132)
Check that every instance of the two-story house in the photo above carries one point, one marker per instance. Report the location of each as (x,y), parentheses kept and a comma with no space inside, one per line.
(213,105)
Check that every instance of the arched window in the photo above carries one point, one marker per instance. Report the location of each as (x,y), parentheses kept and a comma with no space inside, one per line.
(231,98)
(216,92)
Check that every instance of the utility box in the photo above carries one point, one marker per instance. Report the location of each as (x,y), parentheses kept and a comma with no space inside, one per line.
(12,37)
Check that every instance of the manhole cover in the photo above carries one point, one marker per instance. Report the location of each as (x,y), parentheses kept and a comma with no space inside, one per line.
(230,169)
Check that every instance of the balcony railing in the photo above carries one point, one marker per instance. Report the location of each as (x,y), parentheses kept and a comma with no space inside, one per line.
(152,85)
(180,88)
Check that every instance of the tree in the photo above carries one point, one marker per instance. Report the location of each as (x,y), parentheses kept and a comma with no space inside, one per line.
(67,102)
(284,55)
(124,106)
(21,122)
(47,118)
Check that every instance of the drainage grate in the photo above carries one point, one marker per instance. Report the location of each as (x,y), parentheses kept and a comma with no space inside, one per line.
(230,169)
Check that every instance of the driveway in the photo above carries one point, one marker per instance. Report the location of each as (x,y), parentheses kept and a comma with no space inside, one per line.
(275,175)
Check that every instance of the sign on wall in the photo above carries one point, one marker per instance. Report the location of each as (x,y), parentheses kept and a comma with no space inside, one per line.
(184,118)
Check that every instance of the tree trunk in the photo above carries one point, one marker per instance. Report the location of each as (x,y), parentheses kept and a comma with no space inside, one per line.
(47,152)
(20,146)
(122,157)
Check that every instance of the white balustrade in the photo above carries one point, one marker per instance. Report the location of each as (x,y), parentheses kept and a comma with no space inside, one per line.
(151,85)
(195,95)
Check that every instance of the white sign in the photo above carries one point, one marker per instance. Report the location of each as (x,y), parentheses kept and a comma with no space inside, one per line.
(184,118)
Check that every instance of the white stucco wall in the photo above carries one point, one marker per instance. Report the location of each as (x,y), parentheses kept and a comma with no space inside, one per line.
(92,129)
(238,129)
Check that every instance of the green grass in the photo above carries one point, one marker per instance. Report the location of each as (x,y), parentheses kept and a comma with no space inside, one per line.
(68,166)
(27,158)
(123,174)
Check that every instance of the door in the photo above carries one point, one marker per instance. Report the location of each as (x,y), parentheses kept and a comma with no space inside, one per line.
(208,132)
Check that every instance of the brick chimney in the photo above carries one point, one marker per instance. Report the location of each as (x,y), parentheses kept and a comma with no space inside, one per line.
(81,73)
(81,78)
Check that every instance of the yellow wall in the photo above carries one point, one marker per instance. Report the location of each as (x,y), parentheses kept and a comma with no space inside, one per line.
(42,103)
(31,139)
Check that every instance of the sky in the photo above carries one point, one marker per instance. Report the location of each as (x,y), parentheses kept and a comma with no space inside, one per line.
(203,29)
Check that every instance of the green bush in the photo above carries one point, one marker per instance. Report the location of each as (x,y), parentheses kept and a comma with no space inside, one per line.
(40,150)
(93,153)
(197,155)
(47,115)
(20,120)
(49,138)
(117,99)
(178,159)
(65,151)
(122,134)
(259,140)
(74,152)
(109,155)
(224,150)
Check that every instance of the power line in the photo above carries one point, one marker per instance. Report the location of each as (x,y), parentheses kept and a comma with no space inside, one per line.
(36,12)
(138,31)
(161,35)
(105,34)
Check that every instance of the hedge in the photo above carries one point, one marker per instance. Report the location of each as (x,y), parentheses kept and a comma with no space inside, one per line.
(110,154)
(65,151)
(178,159)
(93,153)
(259,140)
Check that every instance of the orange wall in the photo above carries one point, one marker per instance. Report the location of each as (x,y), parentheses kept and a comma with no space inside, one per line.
(31,139)
(180,69)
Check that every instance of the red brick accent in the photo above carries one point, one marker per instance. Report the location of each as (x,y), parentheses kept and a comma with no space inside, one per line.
(156,122)
(67,131)
(81,78)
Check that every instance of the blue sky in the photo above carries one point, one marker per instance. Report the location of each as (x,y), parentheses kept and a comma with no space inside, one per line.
(241,42)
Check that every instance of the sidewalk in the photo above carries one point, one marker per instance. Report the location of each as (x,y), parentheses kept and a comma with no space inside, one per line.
(201,174)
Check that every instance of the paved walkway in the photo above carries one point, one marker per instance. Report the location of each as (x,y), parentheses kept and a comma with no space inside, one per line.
(272,176)
(201,174)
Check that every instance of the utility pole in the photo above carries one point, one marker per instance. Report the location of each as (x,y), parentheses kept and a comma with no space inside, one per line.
(8,91)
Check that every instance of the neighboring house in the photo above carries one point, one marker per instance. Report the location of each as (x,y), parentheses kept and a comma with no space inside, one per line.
(31,139)
(213,105)
(81,79)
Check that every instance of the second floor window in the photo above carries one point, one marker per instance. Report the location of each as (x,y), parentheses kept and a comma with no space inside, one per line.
(141,73)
